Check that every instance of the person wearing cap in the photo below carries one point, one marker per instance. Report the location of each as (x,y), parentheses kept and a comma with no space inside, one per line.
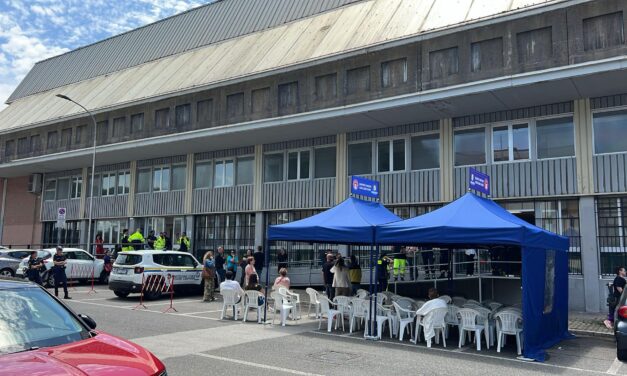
(58,271)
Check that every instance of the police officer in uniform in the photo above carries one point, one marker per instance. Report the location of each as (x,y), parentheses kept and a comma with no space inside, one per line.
(184,243)
(58,271)
(35,264)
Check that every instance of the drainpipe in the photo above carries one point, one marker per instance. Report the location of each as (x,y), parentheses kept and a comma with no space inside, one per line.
(4,201)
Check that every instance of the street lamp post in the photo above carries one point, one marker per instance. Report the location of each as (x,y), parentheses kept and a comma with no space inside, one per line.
(93,169)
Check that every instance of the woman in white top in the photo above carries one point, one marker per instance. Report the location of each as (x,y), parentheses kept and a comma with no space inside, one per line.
(341,281)
(282,280)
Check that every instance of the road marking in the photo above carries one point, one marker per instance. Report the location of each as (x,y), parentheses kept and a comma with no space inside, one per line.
(467,353)
(129,308)
(197,313)
(258,365)
(613,370)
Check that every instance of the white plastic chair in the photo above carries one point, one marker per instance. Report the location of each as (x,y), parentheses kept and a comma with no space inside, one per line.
(388,295)
(468,323)
(472,301)
(494,306)
(406,303)
(359,313)
(343,304)
(419,303)
(488,322)
(435,318)
(458,300)
(381,298)
(231,298)
(508,323)
(362,294)
(325,308)
(293,299)
(447,299)
(384,315)
(282,305)
(313,301)
(252,302)
(452,319)
(404,317)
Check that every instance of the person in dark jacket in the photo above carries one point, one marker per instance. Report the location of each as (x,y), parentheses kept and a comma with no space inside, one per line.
(281,259)
(219,262)
(35,266)
(260,259)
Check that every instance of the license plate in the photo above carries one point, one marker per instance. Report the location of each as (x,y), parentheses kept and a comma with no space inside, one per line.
(120,271)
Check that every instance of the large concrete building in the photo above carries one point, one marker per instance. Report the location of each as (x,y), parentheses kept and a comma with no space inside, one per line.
(240,114)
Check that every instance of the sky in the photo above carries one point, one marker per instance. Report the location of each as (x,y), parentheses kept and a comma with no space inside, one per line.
(33,30)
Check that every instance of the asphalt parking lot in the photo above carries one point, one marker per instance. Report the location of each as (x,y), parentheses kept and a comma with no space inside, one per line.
(194,341)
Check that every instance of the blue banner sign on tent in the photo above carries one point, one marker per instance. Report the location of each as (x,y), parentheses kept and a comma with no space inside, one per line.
(364,187)
(479,181)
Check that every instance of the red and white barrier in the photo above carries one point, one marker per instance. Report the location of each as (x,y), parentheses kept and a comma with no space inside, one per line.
(153,283)
(86,272)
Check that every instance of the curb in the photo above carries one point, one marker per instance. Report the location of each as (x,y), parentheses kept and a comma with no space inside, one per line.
(591,333)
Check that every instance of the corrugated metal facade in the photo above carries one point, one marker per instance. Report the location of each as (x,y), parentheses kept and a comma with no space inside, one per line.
(610,173)
(410,187)
(159,203)
(301,194)
(225,199)
(211,23)
(49,212)
(108,207)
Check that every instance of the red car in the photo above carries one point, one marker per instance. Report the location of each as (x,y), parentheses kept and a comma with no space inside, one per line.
(39,335)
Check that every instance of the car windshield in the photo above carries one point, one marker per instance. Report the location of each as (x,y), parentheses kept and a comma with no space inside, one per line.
(30,318)
(126,259)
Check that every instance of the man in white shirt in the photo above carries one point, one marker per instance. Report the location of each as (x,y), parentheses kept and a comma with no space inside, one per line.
(433,303)
(229,283)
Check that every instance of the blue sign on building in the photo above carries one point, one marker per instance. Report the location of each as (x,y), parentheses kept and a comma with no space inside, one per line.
(479,181)
(364,187)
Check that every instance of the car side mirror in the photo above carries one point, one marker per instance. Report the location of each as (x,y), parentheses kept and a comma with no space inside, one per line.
(88,321)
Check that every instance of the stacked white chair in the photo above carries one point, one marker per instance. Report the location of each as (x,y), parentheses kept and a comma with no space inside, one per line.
(313,301)
(404,317)
(508,322)
(436,318)
(252,302)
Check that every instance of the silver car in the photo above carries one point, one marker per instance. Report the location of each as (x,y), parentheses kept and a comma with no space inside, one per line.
(10,260)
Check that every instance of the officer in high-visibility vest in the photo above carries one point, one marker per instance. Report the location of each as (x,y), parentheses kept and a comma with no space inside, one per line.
(184,244)
(160,242)
(125,242)
(137,240)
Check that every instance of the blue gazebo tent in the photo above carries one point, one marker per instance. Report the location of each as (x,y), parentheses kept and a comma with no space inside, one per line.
(474,222)
(351,222)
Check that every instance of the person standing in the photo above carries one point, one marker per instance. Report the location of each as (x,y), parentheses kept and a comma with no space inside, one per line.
(327,276)
(281,259)
(126,243)
(35,265)
(184,243)
(58,271)
(150,239)
(618,285)
(250,270)
(208,274)
(428,259)
(137,240)
(107,264)
(383,274)
(220,261)
(470,261)
(243,264)
(168,241)
(260,258)
(341,281)
(400,260)
(100,251)
(444,263)
(354,273)
(160,242)
(232,262)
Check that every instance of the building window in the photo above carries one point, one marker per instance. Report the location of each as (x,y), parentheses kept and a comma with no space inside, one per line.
(143,180)
(50,189)
(22,146)
(103,132)
(260,100)
(324,162)
(161,179)
(298,163)
(391,155)
(360,158)
(119,127)
(555,138)
(231,231)
(80,134)
(425,152)
(612,232)
(486,55)
(510,143)
(245,170)
(178,177)
(609,132)
(535,46)
(137,123)
(9,148)
(223,173)
(326,87)
(470,147)
(66,138)
(35,143)
(394,73)
(273,167)
(202,174)
(53,140)
(162,118)
(63,189)
(603,31)
(77,187)
(124,182)
(204,112)
(443,63)
(235,105)
(288,96)
(183,115)
(108,185)
(357,80)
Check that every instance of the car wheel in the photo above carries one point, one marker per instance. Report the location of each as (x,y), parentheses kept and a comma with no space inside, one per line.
(621,354)
(121,294)
(7,273)
(50,280)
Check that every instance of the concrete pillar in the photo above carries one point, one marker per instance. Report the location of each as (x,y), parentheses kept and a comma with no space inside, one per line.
(131,194)
(260,229)
(447,160)
(258,179)
(84,193)
(83,233)
(341,168)
(583,146)
(189,184)
(589,254)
